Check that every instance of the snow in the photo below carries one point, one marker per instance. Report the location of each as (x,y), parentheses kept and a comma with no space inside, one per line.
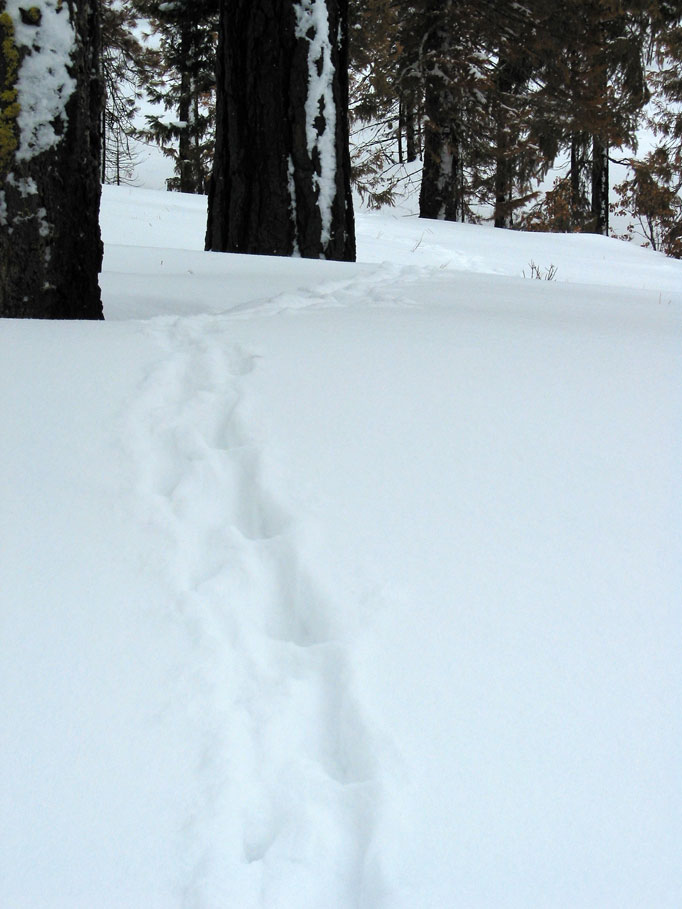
(312,25)
(333,585)
(44,85)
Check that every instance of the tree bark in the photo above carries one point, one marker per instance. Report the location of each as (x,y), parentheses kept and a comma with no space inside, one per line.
(50,246)
(440,195)
(600,187)
(281,177)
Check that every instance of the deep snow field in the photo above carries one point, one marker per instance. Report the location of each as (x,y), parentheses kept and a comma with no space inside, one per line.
(328,586)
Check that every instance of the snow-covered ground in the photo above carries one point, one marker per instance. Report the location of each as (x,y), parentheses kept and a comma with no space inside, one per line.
(330,585)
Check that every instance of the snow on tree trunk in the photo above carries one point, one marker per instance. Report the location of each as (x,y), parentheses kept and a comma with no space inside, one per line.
(281,178)
(50,110)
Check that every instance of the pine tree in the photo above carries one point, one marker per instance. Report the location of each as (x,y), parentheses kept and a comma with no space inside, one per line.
(281,177)
(127,65)
(514,154)
(187,32)
(652,193)
(475,72)
(374,104)
(452,71)
(50,103)
(594,91)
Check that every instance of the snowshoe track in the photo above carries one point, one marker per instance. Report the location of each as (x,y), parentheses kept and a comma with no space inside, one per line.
(283,776)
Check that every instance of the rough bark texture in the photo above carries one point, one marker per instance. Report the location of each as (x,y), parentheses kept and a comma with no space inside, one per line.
(441,187)
(264,195)
(50,246)
(440,194)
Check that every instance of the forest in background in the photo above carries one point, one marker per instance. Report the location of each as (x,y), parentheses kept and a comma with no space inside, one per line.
(510,112)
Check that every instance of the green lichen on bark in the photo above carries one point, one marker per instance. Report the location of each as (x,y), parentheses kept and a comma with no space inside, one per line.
(9,105)
(31,16)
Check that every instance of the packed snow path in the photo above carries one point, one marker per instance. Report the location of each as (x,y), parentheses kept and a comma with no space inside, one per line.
(278,736)
(344,586)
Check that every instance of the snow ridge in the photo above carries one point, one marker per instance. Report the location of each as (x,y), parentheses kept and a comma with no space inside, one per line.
(284,795)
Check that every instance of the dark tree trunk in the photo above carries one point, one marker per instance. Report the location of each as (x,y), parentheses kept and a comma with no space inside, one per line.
(504,168)
(579,181)
(281,177)
(185,165)
(504,180)
(440,195)
(408,126)
(441,187)
(410,131)
(50,247)
(509,79)
(600,187)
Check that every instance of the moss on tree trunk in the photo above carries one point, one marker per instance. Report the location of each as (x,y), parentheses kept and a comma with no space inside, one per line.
(50,246)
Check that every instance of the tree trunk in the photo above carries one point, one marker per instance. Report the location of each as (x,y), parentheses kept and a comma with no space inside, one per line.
(281,176)
(508,79)
(579,200)
(50,247)
(185,164)
(600,187)
(440,195)
(409,127)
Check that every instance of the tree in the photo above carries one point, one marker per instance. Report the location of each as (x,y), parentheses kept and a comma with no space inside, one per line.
(441,193)
(185,85)
(475,72)
(50,109)
(127,66)
(281,176)
(376,110)
(651,194)
(594,91)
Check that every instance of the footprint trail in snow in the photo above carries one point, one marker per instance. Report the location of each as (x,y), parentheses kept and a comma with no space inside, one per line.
(283,794)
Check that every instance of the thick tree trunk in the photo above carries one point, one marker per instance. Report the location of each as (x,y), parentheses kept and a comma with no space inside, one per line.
(441,187)
(440,192)
(50,247)
(281,177)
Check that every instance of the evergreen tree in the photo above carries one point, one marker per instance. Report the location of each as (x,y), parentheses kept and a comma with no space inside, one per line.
(652,193)
(281,177)
(374,106)
(594,91)
(514,151)
(127,65)
(185,86)
(50,109)
(452,71)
